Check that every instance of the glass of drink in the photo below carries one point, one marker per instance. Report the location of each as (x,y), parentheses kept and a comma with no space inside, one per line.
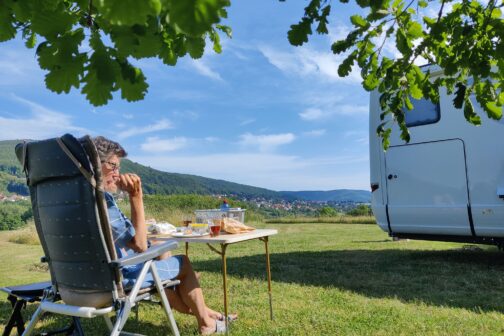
(187,220)
(215,228)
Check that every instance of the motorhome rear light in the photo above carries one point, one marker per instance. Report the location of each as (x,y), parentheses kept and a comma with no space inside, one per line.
(374,186)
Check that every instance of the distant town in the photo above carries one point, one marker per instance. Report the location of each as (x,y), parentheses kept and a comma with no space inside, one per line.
(12,198)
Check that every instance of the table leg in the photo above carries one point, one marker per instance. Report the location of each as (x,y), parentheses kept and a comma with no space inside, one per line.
(224,283)
(268,271)
(187,249)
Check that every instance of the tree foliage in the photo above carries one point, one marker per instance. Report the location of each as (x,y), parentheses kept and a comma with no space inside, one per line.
(327,211)
(88,45)
(14,215)
(464,38)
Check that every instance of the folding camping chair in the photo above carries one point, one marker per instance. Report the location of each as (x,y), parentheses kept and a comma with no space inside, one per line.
(64,178)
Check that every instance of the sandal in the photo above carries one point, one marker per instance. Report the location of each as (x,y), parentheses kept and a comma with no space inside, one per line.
(220,327)
(231,317)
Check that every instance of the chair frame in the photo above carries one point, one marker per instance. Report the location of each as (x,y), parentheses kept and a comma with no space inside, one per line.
(123,306)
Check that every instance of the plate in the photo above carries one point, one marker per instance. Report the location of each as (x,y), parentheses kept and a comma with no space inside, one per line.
(192,235)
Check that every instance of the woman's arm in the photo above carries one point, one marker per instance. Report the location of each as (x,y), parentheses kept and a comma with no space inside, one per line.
(132,184)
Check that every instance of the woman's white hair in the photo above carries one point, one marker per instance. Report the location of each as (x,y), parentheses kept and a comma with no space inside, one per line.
(106,148)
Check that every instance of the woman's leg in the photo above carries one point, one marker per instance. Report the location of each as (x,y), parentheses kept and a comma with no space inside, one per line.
(192,295)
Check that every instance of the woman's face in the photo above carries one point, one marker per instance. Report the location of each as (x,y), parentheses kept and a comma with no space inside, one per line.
(110,173)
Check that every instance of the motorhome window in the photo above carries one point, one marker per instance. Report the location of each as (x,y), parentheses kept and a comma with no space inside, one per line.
(424,112)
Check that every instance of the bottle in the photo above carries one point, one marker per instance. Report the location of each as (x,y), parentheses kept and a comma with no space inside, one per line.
(224,206)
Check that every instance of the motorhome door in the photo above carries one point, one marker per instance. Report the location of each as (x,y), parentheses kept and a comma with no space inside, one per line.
(427,188)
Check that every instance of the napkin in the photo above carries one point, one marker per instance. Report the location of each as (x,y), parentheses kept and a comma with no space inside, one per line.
(162,228)
(231,225)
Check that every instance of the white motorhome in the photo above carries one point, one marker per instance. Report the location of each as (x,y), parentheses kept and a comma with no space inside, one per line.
(447,183)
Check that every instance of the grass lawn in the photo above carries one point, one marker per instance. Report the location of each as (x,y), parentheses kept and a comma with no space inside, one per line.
(328,279)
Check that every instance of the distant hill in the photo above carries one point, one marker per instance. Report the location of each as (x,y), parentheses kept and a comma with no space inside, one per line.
(340,195)
(158,182)
(164,183)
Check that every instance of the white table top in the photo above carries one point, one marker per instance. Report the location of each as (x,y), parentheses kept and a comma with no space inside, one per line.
(222,238)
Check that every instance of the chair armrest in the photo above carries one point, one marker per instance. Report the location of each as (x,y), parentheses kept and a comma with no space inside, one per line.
(151,253)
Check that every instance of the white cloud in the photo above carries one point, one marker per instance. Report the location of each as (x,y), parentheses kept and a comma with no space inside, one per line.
(359,137)
(338,31)
(204,69)
(266,142)
(305,62)
(155,144)
(128,116)
(277,172)
(187,114)
(19,67)
(162,124)
(247,121)
(313,114)
(43,123)
(315,133)
(316,114)
(211,139)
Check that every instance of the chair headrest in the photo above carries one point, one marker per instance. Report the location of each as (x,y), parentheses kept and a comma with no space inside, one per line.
(45,159)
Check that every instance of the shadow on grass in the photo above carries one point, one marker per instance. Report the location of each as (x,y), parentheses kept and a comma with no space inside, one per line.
(94,326)
(455,278)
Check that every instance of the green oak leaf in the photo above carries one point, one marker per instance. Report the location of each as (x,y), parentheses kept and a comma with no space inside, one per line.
(345,67)
(125,40)
(97,92)
(63,61)
(371,82)
(415,91)
(31,41)
(148,45)
(408,103)
(458,101)
(7,30)
(215,38)
(415,30)
(500,98)
(402,42)
(493,110)
(101,74)
(195,17)
(131,82)
(22,10)
(340,46)
(63,77)
(195,47)
(359,22)
(496,13)
(469,113)
(128,12)
(168,56)
(298,34)
(225,29)
(51,22)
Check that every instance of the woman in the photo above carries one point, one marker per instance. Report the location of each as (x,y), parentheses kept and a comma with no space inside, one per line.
(130,236)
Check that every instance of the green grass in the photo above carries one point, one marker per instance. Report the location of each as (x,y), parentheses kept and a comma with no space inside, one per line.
(328,279)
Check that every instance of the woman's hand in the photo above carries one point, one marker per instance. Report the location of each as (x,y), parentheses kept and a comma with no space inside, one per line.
(131,184)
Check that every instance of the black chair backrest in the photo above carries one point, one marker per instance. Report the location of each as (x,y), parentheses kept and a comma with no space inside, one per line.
(71,219)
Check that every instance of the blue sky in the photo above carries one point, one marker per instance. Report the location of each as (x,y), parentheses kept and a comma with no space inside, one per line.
(262,113)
